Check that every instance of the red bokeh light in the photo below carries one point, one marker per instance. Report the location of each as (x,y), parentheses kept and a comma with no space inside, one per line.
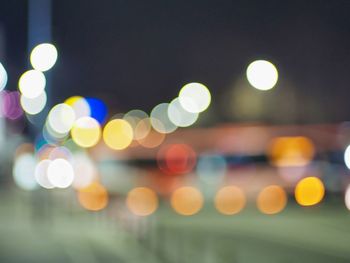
(177,159)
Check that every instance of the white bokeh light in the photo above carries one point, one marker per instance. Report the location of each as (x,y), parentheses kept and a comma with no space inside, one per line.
(43,57)
(347,197)
(60,173)
(34,105)
(41,174)
(195,97)
(3,77)
(61,118)
(32,83)
(179,116)
(85,171)
(160,120)
(262,75)
(347,156)
(23,172)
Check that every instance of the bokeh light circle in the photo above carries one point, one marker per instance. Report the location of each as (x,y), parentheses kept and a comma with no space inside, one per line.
(195,97)
(61,118)
(34,105)
(142,201)
(117,134)
(32,83)
(85,171)
(160,120)
(94,197)
(230,200)
(187,201)
(43,56)
(309,191)
(272,200)
(98,109)
(3,77)
(347,157)
(291,151)
(80,106)
(23,172)
(262,75)
(11,106)
(211,168)
(347,197)
(41,174)
(86,132)
(179,116)
(60,173)
(177,158)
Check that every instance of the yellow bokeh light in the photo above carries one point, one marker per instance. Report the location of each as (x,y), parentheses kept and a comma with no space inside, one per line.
(309,191)
(118,134)
(272,200)
(142,201)
(93,197)
(291,151)
(230,200)
(187,200)
(86,132)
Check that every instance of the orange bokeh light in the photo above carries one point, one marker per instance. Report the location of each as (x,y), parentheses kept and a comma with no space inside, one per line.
(187,200)
(152,140)
(230,200)
(291,151)
(142,201)
(93,197)
(272,199)
(309,191)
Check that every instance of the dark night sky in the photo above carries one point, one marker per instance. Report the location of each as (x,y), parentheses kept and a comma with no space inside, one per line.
(136,54)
